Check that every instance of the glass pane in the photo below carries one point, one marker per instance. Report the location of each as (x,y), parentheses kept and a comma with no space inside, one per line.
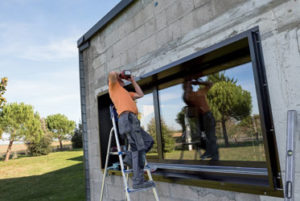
(146,117)
(212,117)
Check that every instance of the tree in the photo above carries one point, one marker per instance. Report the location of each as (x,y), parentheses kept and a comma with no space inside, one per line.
(3,85)
(20,122)
(167,139)
(60,126)
(227,100)
(41,146)
(77,137)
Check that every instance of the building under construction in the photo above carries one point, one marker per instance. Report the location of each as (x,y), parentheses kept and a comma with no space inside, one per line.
(248,49)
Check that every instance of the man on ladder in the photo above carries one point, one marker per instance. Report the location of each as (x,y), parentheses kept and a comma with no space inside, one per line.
(129,125)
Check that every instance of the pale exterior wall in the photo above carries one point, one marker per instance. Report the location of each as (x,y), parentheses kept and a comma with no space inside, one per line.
(145,37)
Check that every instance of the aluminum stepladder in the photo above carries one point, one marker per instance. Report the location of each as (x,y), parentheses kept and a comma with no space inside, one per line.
(114,131)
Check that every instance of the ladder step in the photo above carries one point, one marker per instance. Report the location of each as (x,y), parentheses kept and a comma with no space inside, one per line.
(118,153)
(147,167)
(132,190)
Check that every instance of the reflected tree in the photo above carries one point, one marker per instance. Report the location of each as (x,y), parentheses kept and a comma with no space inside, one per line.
(167,139)
(227,100)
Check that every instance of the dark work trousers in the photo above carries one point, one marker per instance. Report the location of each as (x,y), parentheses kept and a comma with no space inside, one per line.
(140,143)
(208,125)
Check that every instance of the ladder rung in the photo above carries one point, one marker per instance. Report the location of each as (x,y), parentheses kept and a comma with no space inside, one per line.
(117,153)
(131,170)
(132,190)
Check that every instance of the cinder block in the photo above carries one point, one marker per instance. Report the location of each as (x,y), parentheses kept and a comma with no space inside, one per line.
(176,191)
(111,38)
(161,20)
(246,197)
(131,53)
(269,198)
(139,19)
(202,15)
(186,7)
(148,10)
(146,46)
(162,5)
(150,27)
(212,197)
(186,23)
(199,3)
(163,188)
(179,9)
(99,61)
(126,28)
(221,7)
(115,192)
(162,37)
(174,30)
(131,40)
(172,13)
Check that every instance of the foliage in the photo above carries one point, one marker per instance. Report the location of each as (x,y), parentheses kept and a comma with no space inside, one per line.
(20,122)
(227,100)
(40,147)
(219,77)
(60,126)
(167,139)
(77,137)
(3,85)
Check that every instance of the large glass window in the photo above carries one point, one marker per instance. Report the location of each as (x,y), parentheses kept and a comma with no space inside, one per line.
(212,117)
(146,117)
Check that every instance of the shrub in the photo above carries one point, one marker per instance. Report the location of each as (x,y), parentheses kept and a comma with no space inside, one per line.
(41,147)
(77,137)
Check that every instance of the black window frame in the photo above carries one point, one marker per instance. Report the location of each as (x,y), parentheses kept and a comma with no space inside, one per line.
(220,174)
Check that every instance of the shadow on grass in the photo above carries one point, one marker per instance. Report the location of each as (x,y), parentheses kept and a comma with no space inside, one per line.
(66,184)
(79,158)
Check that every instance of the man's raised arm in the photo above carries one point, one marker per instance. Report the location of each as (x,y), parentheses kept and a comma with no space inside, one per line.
(138,91)
(113,77)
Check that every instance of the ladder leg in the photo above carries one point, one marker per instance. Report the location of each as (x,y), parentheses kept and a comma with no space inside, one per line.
(121,160)
(151,179)
(106,163)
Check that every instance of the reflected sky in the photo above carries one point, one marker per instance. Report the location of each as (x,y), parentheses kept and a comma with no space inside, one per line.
(171,98)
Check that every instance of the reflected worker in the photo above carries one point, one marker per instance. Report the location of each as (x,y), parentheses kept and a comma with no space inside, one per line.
(140,141)
(198,101)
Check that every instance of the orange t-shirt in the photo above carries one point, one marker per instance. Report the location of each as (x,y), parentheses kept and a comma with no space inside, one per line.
(122,99)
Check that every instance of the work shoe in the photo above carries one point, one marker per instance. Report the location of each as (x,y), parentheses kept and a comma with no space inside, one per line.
(145,184)
(128,160)
(214,157)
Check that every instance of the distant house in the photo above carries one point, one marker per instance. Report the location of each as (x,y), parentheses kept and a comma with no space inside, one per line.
(253,43)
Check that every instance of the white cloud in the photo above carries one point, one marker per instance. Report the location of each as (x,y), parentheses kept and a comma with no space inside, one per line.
(147,110)
(52,93)
(21,42)
(62,49)
(169,96)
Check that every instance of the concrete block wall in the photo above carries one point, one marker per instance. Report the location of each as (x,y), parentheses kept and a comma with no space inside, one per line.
(150,34)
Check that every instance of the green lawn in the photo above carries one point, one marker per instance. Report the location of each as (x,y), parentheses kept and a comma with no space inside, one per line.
(58,176)
(244,153)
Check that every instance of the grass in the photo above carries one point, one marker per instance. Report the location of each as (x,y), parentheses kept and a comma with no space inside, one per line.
(58,177)
(245,153)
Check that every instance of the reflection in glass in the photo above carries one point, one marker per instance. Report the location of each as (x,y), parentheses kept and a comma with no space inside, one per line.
(212,117)
(146,117)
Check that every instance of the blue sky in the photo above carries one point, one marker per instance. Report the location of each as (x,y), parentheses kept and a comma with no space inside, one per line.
(172,103)
(39,54)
